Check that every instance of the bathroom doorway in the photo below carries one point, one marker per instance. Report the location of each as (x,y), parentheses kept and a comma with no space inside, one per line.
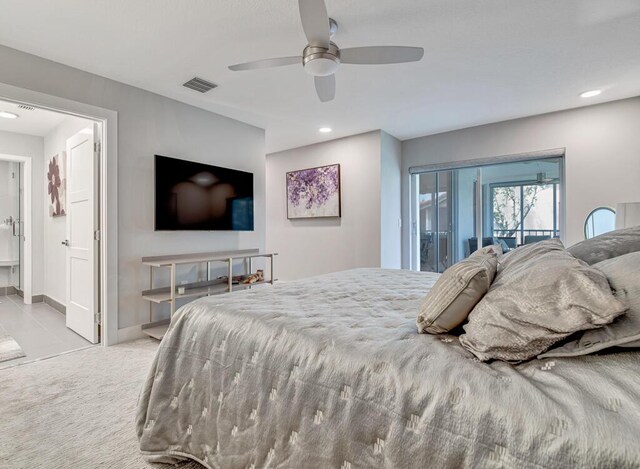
(41,154)
(11,245)
(15,226)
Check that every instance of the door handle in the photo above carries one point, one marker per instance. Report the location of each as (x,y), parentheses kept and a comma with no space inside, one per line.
(65,243)
(14,222)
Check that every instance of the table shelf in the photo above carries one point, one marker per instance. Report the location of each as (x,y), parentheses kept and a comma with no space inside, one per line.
(170,295)
(164,296)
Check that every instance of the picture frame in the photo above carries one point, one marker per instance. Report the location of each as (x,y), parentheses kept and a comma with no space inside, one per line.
(57,184)
(314,193)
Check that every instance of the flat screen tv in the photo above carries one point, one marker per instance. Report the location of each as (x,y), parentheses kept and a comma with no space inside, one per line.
(199,197)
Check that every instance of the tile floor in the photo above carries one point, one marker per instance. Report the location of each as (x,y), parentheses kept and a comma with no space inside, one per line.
(38,328)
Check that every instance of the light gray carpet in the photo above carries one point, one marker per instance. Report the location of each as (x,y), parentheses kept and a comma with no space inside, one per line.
(75,410)
(9,348)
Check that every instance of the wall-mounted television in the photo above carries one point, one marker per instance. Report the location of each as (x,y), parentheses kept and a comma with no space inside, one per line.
(199,197)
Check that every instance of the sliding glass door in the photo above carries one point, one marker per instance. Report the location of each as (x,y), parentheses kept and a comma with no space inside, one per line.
(445,214)
(457,211)
(434,220)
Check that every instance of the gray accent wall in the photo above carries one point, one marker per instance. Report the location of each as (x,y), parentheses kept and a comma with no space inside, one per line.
(390,201)
(151,124)
(602,156)
(367,234)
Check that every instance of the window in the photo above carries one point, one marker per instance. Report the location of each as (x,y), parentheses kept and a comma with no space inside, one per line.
(524,210)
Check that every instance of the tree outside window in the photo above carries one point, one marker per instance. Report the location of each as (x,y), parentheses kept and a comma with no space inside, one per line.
(522,208)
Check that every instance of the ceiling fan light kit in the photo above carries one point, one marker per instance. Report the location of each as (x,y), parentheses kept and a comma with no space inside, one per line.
(321,61)
(322,58)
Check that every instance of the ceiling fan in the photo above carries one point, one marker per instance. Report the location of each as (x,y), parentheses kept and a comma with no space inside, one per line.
(322,58)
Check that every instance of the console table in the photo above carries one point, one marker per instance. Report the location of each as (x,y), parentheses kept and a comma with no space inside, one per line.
(171,293)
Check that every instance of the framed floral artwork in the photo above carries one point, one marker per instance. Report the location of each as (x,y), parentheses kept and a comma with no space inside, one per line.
(57,185)
(314,192)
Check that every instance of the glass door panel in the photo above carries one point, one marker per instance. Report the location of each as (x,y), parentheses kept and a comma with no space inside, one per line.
(10,223)
(18,238)
(427,221)
(446,221)
(464,211)
(444,232)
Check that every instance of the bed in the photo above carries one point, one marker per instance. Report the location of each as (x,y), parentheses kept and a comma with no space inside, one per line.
(330,372)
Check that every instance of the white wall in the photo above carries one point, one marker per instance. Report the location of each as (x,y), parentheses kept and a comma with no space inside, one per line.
(602,161)
(31,146)
(317,246)
(55,229)
(150,124)
(390,202)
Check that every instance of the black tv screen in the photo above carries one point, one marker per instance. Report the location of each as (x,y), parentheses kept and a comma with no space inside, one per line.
(196,196)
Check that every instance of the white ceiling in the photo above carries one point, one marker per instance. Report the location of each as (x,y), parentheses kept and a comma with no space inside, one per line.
(485,61)
(38,122)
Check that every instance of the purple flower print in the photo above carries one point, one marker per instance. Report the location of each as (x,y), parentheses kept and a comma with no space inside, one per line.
(313,186)
(53,189)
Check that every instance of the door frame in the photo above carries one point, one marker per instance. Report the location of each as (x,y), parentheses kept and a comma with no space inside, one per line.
(108,193)
(26,264)
(415,171)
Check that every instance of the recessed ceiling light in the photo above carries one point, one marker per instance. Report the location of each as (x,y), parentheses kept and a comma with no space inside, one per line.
(590,93)
(8,115)
(324,130)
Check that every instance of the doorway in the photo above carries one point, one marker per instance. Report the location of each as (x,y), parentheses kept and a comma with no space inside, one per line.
(49,215)
(11,222)
(458,210)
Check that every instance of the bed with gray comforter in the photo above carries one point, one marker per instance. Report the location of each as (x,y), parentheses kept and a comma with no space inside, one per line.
(330,372)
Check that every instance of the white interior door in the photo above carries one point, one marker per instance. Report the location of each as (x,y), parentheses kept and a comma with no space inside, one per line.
(82,248)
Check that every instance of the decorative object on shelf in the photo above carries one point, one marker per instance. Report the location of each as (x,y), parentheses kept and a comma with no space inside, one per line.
(601,220)
(244,279)
(57,185)
(627,215)
(253,278)
(314,192)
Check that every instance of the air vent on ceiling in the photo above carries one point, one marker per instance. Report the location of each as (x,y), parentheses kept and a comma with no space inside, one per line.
(200,85)
(24,107)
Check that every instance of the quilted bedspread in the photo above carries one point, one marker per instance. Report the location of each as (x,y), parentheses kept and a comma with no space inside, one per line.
(330,372)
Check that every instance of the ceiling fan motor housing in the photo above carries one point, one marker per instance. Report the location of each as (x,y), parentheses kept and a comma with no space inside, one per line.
(321,61)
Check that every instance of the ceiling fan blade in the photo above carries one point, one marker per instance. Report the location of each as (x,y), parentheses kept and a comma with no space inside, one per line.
(326,87)
(266,63)
(315,22)
(380,55)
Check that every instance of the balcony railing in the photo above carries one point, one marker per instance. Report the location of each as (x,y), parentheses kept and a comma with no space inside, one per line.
(515,233)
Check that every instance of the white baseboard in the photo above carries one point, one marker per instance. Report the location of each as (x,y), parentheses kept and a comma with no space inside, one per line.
(130,333)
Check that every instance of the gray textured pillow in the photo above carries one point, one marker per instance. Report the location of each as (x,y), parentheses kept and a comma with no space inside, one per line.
(456,292)
(537,301)
(608,245)
(491,249)
(623,274)
(529,251)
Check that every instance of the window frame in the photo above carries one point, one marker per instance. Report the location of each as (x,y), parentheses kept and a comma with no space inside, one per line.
(521,185)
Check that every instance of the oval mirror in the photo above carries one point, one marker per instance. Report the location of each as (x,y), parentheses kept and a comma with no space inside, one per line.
(601,220)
